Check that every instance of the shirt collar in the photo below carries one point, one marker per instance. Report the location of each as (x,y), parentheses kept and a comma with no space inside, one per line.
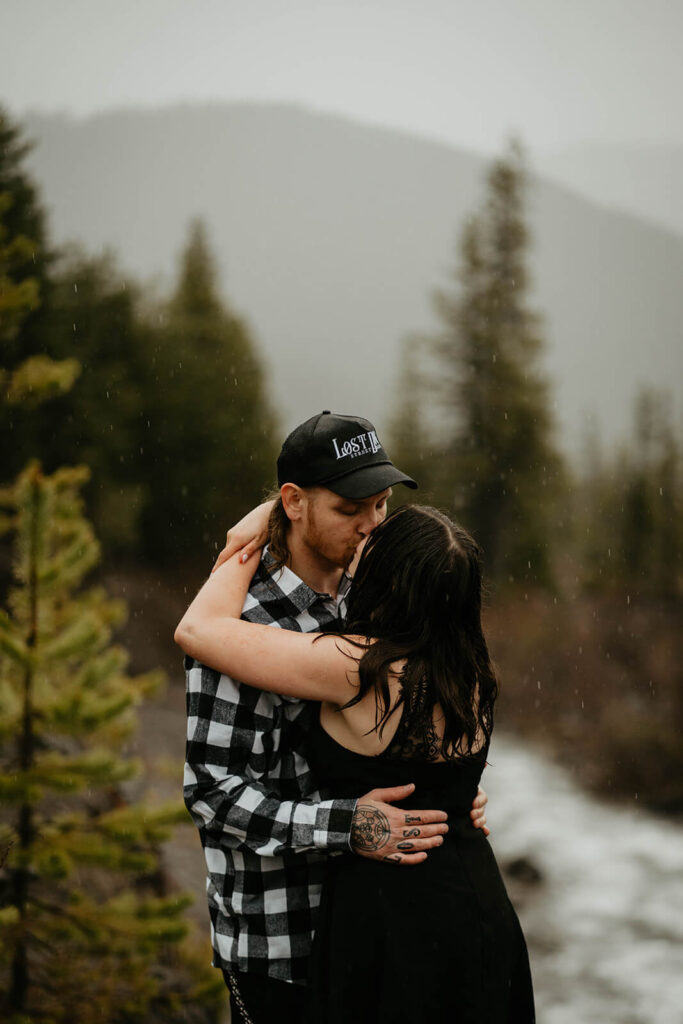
(285,581)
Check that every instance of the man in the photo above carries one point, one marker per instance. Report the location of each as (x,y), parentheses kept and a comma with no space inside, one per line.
(266,829)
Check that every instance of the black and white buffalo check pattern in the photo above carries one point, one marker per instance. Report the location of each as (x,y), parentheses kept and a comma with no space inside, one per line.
(265,829)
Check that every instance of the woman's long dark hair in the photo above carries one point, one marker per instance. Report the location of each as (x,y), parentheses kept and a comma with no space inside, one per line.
(417,593)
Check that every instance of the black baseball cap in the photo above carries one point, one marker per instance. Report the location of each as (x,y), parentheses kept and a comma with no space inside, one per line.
(341,453)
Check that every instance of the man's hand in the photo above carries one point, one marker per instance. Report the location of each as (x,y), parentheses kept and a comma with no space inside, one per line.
(382,832)
(478,812)
(250,534)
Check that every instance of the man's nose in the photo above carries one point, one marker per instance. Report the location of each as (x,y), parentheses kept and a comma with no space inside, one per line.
(369,521)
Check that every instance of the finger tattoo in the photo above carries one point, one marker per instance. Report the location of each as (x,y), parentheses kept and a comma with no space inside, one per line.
(370,829)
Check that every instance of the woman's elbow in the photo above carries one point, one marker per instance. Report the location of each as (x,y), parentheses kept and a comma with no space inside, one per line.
(183,636)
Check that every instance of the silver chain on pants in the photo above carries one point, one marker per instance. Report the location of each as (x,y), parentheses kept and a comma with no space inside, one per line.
(236,998)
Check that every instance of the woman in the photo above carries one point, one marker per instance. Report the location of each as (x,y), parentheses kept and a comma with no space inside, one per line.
(407,694)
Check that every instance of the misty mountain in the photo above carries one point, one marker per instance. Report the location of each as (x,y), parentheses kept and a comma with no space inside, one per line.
(646,180)
(332,235)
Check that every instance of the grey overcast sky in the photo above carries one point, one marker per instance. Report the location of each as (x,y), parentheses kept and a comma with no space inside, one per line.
(470,72)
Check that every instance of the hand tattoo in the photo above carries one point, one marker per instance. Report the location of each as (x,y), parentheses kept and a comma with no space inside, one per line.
(370,829)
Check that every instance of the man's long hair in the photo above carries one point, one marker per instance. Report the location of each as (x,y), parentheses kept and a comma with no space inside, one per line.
(278,527)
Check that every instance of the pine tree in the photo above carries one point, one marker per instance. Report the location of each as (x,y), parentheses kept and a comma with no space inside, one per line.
(28,376)
(500,468)
(634,508)
(213,447)
(78,942)
(25,257)
(80,939)
(410,443)
(95,317)
(18,291)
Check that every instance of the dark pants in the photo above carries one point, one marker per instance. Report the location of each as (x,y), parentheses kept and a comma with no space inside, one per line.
(267,1001)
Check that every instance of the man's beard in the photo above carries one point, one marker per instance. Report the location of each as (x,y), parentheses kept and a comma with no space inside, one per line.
(320,543)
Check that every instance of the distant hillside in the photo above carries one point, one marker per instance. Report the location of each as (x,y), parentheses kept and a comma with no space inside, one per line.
(332,235)
(645,180)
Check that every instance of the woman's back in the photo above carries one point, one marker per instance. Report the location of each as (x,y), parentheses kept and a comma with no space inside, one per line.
(396,760)
(435,942)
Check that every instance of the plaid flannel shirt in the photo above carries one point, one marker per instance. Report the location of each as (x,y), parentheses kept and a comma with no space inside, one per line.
(265,829)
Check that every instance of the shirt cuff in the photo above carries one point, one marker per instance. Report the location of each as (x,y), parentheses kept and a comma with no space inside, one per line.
(333,825)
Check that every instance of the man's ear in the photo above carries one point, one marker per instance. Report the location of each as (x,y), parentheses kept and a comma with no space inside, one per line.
(293,501)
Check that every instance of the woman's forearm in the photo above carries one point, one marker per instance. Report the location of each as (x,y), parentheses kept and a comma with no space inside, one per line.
(221,597)
(280,660)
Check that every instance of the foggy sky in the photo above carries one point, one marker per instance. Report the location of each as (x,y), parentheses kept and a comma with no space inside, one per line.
(470,72)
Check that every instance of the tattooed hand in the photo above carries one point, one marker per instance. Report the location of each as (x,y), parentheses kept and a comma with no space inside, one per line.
(382,832)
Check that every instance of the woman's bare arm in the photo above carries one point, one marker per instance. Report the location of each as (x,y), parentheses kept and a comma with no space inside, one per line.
(278,660)
(248,535)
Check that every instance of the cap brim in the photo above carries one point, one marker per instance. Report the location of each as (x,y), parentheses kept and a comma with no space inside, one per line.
(363,483)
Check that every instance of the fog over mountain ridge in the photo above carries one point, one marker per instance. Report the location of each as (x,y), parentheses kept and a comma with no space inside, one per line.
(645,180)
(332,235)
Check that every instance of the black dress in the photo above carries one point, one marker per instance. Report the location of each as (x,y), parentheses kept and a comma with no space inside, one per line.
(429,943)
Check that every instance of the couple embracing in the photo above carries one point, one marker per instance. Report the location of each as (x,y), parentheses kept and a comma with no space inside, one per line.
(335,786)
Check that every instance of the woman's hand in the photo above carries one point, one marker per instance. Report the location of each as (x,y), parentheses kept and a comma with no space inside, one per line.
(248,535)
(478,812)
